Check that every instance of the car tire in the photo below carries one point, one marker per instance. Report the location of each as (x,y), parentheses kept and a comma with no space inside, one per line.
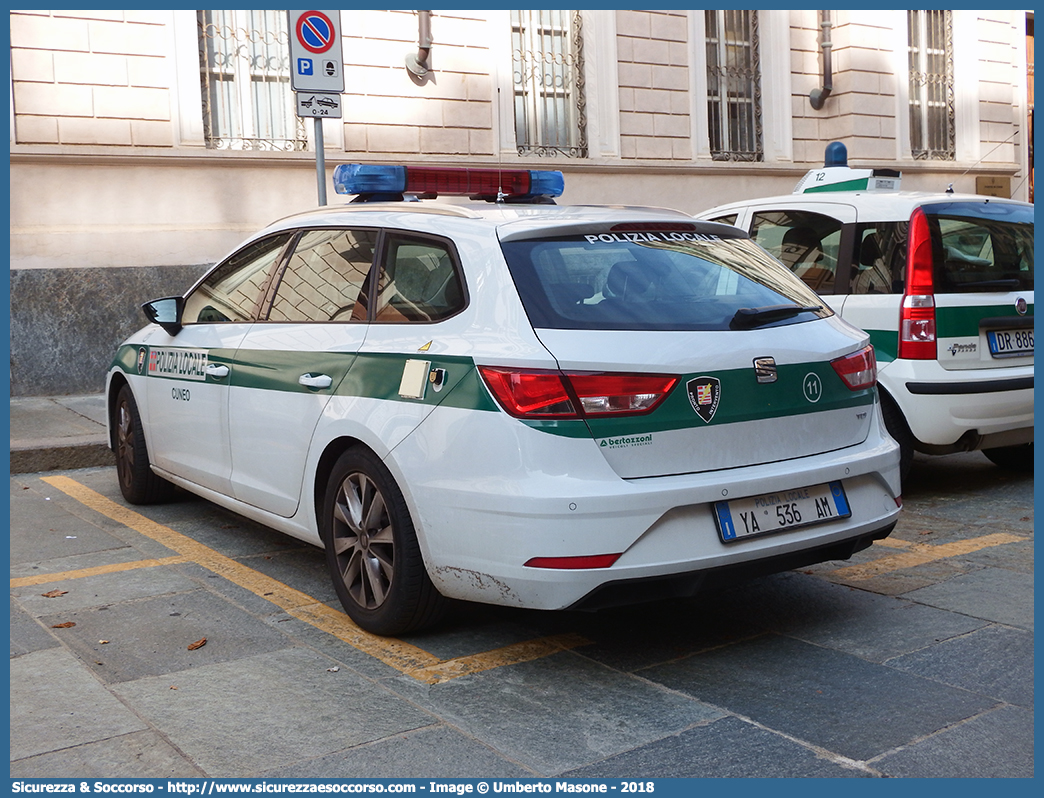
(372,551)
(138,484)
(1014,458)
(897,427)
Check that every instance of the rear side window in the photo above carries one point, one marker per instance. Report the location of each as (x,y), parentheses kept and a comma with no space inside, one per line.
(807,243)
(985,246)
(727,219)
(879,265)
(651,282)
(418,282)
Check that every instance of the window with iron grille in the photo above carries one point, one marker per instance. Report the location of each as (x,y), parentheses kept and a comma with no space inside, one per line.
(244,62)
(932,122)
(733,85)
(548,76)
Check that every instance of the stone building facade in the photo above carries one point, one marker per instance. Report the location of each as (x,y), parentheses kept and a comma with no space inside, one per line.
(146,144)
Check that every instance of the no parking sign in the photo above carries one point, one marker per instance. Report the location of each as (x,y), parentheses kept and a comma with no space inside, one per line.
(315,51)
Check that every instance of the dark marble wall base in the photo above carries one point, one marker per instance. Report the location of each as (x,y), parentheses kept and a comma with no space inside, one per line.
(67,323)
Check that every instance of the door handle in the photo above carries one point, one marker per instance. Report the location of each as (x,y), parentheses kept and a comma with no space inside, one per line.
(315,380)
(217,372)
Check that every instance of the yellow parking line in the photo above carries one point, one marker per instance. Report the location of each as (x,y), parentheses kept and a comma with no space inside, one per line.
(487,660)
(43,579)
(894,543)
(919,554)
(402,656)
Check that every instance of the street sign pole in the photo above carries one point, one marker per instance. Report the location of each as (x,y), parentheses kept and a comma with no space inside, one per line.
(317,67)
(320,160)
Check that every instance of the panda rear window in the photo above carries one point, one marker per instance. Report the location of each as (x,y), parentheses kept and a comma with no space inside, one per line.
(982,246)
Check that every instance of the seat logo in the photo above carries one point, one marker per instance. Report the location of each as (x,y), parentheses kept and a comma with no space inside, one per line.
(704,395)
(765,369)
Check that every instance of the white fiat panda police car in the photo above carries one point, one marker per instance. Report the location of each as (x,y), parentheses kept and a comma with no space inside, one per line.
(943,283)
(509,401)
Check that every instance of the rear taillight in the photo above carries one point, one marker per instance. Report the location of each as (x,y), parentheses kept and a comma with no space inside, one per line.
(917,313)
(530,394)
(543,394)
(858,370)
(620,394)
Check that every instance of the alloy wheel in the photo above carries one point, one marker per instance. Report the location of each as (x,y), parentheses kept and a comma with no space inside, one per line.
(363,540)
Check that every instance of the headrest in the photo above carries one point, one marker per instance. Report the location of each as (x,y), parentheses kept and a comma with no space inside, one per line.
(802,237)
(627,278)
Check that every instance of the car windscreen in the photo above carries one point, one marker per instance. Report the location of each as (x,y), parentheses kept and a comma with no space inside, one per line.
(655,281)
(982,246)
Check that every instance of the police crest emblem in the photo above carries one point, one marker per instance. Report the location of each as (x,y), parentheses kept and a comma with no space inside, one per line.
(704,395)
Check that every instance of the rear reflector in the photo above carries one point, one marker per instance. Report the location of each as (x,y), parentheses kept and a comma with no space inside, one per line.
(545,394)
(858,370)
(574,563)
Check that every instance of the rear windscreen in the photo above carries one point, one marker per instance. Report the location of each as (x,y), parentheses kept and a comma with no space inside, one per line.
(655,281)
(981,246)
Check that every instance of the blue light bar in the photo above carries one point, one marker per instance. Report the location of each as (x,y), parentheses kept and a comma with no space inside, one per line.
(361,178)
(387,182)
(546,183)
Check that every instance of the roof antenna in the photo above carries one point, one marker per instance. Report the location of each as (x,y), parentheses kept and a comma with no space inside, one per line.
(500,155)
(987,155)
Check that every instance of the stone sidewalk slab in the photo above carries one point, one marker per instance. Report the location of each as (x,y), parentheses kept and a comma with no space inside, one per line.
(53,433)
(841,703)
(994,594)
(997,744)
(297,705)
(56,703)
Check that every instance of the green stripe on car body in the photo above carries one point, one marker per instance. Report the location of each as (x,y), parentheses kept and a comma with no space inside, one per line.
(741,399)
(950,322)
(956,322)
(126,359)
(858,184)
(378,376)
(374,375)
(885,343)
(272,370)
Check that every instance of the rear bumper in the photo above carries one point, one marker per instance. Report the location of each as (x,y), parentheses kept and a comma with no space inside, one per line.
(961,410)
(477,533)
(961,388)
(686,585)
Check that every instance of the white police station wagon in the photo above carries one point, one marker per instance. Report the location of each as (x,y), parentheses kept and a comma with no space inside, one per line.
(943,283)
(509,401)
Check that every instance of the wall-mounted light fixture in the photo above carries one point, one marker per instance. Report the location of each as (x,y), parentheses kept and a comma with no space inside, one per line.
(417,63)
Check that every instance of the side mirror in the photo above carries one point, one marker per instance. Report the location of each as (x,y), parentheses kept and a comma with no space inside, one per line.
(165,312)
